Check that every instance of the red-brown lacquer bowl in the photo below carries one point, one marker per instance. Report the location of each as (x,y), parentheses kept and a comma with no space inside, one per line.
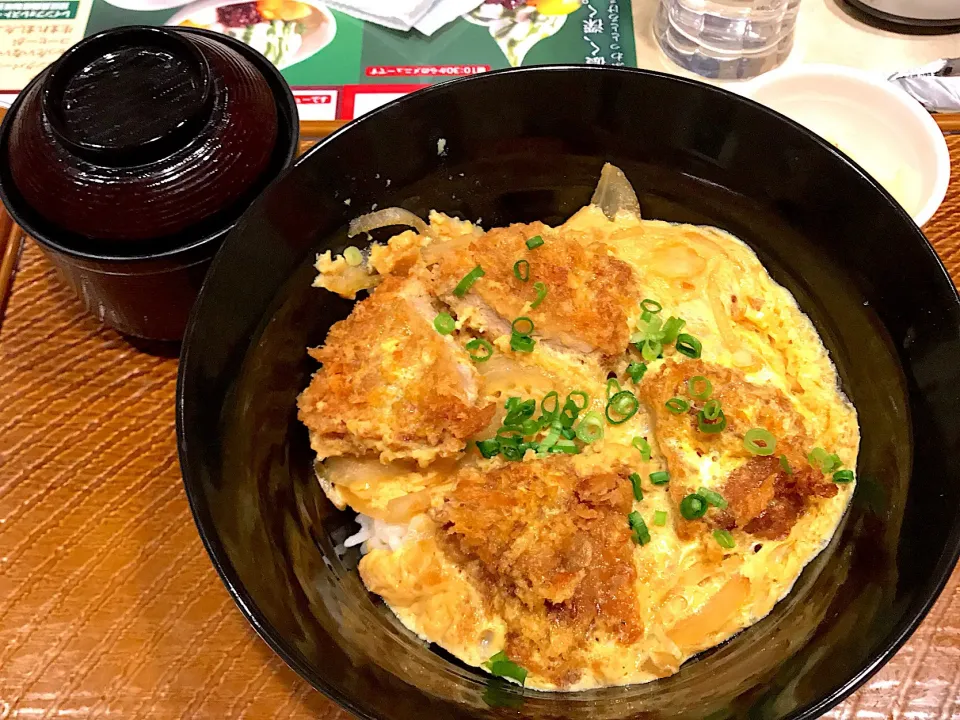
(142,133)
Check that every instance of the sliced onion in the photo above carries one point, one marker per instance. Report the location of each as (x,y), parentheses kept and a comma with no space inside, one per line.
(615,193)
(401,509)
(676,261)
(720,314)
(439,249)
(347,471)
(386,218)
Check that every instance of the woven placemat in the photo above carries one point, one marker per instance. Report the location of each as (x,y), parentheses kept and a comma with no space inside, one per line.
(109,605)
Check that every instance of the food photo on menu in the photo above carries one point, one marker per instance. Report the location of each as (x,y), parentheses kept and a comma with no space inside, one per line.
(346,57)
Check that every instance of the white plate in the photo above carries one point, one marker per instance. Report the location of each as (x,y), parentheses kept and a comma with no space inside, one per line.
(315,38)
(877,124)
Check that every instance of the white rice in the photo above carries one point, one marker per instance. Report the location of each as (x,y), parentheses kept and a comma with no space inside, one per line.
(377,535)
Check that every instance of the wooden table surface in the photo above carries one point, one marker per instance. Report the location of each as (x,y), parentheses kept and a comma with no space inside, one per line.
(109,605)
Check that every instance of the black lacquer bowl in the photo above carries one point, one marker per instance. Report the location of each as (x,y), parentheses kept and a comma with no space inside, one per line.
(517,146)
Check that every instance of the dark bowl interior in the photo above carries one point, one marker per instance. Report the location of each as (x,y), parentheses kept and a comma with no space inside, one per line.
(525,145)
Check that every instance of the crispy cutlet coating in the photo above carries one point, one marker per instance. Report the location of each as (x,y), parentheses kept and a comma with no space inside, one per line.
(590,293)
(551,549)
(391,384)
(763,498)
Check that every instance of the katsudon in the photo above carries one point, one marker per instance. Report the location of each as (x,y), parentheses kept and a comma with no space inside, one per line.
(579,455)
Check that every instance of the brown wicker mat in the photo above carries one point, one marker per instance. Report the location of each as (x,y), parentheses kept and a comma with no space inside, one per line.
(109,605)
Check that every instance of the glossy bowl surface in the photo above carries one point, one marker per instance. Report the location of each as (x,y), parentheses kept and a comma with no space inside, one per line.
(140,133)
(521,145)
(146,289)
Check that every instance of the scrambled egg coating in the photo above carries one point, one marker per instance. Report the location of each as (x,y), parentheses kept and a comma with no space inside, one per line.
(550,547)
(764,495)
(589,292)
(527,505)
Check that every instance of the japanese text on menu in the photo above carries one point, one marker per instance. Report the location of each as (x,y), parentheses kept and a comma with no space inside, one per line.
(601,30)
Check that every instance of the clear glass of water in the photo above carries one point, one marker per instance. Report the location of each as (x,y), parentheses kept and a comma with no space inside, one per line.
(726,39)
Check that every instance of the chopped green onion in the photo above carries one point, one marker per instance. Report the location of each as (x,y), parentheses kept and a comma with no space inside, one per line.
(641,535)
(712,497)
(699,387)
(555,409)
(711,426)
(677,405)
(712,409)
(522,343)
(522,326)
(582,395)
(468,280)
(651,329)
(641,444)
(785,464)
(528,407)
(569,433)
(724,539)
(590,428)
(444,323)
(693,506)
(843,476)
(552,395)
(501,666)
(477,344)
(688,345)
(660,518)
(353,256)
(541,294)
(651,306)
(613,387)
(651,350)
(520,411)
(489,448)
(565,446)
(759,441)
(509,436)
(827,463)
(636,371)
(534,242)
(552,436)
(513,452)
(661,477)
(637,491)
(530,427)
(621,407)
(671,329)
(521,270)
(569,413)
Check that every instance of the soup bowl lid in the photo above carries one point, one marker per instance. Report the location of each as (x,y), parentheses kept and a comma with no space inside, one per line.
(139,133)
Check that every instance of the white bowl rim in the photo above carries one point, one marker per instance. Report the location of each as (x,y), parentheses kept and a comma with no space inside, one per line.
(937,141)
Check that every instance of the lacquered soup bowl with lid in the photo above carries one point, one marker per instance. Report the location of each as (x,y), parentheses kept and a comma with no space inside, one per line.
(131,157)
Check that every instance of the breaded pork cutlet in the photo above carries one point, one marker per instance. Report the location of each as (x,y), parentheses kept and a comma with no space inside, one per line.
(589,293)
(391,384)
(765,496)
(550,548)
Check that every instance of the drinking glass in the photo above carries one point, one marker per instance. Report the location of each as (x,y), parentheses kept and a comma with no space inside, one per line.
(726,39)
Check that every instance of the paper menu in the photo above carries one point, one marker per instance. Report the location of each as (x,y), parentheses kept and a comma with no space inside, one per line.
(340,66)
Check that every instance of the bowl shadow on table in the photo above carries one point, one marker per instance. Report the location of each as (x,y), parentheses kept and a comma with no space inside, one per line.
(284,539)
